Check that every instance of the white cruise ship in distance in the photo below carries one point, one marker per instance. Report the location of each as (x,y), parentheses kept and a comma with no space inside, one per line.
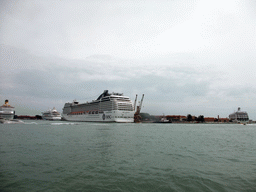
(51,114)
(108,107)
(6,111)
(239,116)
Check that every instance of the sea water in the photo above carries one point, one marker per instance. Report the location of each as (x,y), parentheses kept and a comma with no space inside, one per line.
(68,156)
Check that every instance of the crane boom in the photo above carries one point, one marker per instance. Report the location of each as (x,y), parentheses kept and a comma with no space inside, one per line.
(137,117)
(134,107)
(141,101)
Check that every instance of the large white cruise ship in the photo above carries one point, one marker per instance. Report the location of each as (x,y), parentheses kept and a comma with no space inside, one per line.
(7,111)
(108,107)
(51,114)
(7,114)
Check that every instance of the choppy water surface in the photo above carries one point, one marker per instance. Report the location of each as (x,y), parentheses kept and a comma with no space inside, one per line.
(63,156)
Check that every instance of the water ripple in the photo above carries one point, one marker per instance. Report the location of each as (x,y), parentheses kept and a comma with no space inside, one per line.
(132,157)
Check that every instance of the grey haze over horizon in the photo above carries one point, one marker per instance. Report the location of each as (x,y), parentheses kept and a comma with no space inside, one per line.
(187,57)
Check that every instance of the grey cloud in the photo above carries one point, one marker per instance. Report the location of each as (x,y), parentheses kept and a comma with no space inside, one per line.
(53,81)
(44,78)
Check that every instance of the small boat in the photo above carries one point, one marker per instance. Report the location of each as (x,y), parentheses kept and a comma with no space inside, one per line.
(163,120)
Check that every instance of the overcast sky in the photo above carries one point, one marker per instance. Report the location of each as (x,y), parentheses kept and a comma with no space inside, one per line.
(187,56)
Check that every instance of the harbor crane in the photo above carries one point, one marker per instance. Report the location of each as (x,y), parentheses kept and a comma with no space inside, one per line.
(137,117)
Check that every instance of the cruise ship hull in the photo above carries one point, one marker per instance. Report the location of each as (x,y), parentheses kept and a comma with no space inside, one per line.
(52,118)
(107,116)
(6,114)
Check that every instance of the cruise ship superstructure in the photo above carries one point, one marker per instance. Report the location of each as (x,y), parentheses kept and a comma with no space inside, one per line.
(6,111)
(51,114)
(108,107)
